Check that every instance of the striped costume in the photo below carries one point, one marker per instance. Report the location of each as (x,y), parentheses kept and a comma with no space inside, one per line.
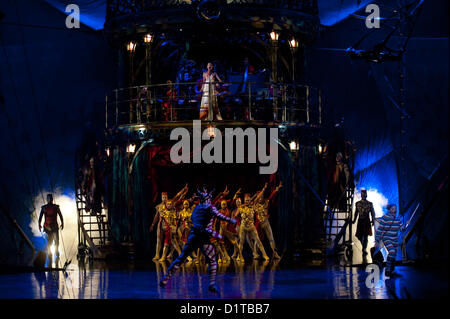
(387,232)
(200,237)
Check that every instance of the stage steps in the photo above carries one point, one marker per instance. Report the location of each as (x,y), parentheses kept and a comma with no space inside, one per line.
(338,225)
(93,229)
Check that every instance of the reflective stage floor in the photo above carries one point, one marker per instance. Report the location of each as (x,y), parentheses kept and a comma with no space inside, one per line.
(252,280)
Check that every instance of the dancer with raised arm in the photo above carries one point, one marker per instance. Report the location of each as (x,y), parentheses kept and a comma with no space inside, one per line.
(261,208)
(200,237)
(157,219)
(247,229)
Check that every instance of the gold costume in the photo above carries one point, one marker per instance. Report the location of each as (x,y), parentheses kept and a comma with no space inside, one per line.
(247,231)
(169,227)
(262,216)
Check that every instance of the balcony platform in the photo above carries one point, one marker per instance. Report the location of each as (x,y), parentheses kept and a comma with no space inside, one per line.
(160,131)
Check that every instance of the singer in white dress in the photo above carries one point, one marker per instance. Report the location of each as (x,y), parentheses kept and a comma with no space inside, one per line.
(209,95)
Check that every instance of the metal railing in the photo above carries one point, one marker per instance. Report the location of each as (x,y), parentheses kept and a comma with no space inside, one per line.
(116,8)
(231,101)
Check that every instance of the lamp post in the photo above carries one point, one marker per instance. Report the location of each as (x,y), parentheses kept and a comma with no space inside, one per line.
(274,49)
(148,39)
(293,43)
(131,46)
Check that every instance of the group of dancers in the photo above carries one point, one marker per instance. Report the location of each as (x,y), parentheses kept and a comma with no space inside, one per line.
(173,220)
(208,227)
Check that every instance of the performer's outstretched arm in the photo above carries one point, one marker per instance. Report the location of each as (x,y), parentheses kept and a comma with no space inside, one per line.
(259,195)
(233,202)
(181,193)
(220,216)
(220,196)
(275,191)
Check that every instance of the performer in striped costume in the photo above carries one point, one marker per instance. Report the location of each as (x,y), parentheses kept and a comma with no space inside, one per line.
(387,233)
(200,237)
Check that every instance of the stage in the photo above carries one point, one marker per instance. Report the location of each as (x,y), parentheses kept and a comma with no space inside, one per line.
(252,280)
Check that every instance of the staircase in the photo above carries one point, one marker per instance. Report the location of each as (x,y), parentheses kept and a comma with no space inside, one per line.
(93,229)
(338,226)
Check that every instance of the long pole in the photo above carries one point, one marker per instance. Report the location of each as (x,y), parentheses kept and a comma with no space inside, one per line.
(294,51)
(19,230)
(148,77)
(274,57)
(131,89)
(106,111)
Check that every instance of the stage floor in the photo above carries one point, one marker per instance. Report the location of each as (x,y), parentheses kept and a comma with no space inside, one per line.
(252,280)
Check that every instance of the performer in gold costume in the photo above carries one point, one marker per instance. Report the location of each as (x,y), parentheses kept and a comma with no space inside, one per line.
(184,220)
(169,225)
(157,218)
(227,231)
(247,229)
(185,224)
(261,208)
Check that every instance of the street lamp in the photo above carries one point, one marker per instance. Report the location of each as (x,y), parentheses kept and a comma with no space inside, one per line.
(131,47)
(131,148)
(293,43)
(274,39)
(148,38)
(211,131)
(274,36)
(294,146)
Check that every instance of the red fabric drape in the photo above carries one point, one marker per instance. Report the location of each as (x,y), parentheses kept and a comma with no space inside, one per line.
(157,156)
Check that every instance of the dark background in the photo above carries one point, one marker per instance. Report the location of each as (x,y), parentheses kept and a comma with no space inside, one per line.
(53,82)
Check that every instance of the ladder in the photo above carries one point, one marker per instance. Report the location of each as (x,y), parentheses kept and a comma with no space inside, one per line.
(93,229)
(338,224)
